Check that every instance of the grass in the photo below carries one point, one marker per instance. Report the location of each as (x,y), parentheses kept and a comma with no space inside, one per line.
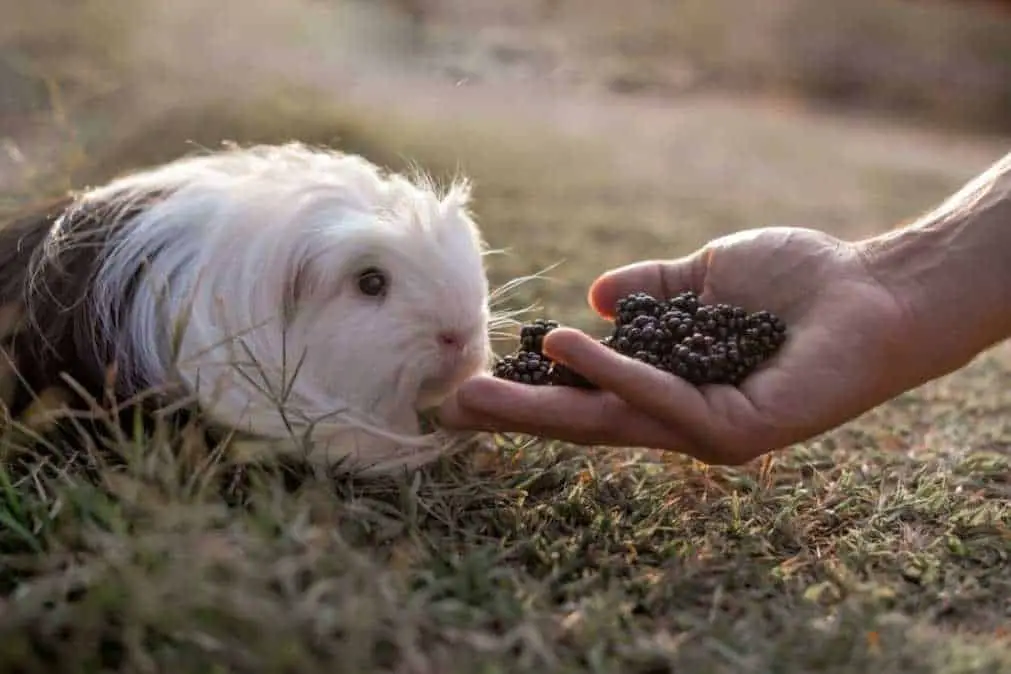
(536,558)
(883,545)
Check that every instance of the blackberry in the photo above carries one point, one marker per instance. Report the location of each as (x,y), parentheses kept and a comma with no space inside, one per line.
(532,334)
(632,306)
(679,323)
(768,330)
(645,338)
(524,367)
(686,302)
(534,369)
(701,343)
(718,343)
(565,376)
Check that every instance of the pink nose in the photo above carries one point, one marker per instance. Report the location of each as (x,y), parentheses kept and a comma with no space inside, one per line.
(451,340)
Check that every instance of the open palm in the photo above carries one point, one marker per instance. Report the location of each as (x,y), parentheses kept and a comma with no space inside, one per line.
(843,356)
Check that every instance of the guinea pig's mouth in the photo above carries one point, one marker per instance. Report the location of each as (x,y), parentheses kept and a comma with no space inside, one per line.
(433,392)
(441,384)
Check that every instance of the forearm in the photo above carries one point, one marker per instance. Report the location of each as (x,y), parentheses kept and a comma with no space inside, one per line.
(951,270)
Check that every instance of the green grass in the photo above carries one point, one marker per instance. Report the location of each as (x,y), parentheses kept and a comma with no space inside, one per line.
(536,558)
(882,546)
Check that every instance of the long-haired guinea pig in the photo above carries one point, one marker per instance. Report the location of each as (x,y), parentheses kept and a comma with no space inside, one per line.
(293,293)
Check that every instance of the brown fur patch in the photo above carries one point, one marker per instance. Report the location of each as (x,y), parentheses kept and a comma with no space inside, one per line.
(8,382)
(48,260)
(12,319)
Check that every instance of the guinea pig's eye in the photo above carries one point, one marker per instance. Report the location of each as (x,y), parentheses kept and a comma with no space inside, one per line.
(372,282)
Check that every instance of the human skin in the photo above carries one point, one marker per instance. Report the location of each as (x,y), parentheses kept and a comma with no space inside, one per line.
(868,320)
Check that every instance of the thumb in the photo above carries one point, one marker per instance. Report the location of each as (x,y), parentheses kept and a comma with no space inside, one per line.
(660,278)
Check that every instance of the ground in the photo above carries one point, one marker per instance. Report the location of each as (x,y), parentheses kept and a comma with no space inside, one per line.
(882,545)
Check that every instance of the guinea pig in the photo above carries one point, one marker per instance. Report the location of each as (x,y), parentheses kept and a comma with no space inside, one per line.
(298,295)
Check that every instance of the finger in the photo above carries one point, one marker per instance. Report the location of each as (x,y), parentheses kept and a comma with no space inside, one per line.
(660,278)
(600,419)
(714,419)
(578,417)
(493,404)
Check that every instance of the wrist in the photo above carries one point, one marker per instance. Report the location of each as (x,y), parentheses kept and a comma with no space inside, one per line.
(950,273)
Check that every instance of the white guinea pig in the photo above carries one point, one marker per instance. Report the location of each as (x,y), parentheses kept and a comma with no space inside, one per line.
(297,294)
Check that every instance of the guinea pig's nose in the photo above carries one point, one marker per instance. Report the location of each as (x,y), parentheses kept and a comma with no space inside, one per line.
(451,340)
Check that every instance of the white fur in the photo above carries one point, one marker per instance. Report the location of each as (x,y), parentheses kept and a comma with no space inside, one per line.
(236,227)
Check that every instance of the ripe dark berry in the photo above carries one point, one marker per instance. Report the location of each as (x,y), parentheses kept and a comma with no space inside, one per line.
(503,366)
(635,305)
(564,376)
(532,334)
(645,334)
(702,344)
(687,302)
(524,367)
(718,343)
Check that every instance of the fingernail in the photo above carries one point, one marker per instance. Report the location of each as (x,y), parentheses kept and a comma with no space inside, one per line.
(558,343)
(569,346)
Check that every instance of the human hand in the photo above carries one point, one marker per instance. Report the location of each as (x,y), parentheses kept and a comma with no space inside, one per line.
(845,353)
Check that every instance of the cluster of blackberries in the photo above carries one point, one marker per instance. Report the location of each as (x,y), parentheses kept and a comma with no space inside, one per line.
(529,365)
(702,344)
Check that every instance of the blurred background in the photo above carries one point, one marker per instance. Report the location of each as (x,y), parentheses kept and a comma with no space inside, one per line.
(597,132)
